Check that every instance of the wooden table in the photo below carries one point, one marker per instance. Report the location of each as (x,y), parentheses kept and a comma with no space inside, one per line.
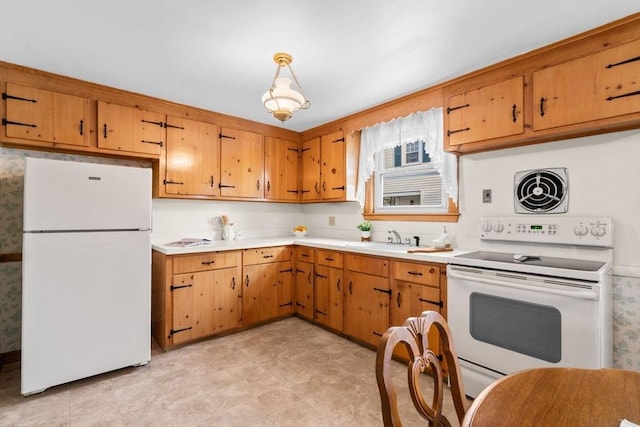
(559,397)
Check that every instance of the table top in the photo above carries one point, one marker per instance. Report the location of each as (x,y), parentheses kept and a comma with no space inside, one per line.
(559,397)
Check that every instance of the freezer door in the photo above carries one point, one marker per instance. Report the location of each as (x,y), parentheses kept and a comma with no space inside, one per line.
(86,305)
(64,195)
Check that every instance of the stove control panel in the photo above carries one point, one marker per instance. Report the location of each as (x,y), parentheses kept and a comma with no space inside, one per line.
(581,231)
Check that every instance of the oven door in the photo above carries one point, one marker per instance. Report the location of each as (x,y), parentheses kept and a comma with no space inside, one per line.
(503,322)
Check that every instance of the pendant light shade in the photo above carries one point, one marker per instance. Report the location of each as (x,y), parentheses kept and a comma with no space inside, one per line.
(281,99)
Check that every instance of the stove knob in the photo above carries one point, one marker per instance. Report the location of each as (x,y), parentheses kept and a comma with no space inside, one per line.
(499,228)
(580,230)
(598,230)
(486,227)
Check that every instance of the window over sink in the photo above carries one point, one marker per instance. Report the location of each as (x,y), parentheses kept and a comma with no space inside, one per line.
(404,172)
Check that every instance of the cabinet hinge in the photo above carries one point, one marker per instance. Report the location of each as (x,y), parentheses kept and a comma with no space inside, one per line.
(166,181)
(450,109)
(386,291)
(161,124)
(167,126)
(378,334)
(451,132)
(6,122)
(611,98)
(175,331)
(438,303)
(626,61)
(286,304)
(287,271)
(321,312)
(220,135)
(160,143)
(17,98)
(174,287)
(338,140)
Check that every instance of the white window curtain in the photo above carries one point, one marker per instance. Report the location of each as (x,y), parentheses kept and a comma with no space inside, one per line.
(424,126)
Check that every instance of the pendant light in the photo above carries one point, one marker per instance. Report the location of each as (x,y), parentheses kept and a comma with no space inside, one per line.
(281,100)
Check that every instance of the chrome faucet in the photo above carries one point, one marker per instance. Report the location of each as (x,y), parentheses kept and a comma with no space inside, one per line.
(396,235)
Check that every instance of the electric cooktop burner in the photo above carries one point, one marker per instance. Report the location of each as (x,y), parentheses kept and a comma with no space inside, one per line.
(542,261)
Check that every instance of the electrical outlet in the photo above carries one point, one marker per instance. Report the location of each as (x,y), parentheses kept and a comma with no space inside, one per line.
(332,220)
(486,196)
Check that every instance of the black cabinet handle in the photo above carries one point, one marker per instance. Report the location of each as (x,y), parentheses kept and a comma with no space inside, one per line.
(542,107)
(414,273)
(513,113)
(81,128)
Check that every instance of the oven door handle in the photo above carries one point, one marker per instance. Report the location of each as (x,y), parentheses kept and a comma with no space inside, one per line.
(581,294)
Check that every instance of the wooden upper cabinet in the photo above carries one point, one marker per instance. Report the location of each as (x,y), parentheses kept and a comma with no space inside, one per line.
(488,112)
(280,169)
(47,116)
(333,166)
(130,129)
(310,170)
(323,167)
(242,163)
(192,158)
(598,86)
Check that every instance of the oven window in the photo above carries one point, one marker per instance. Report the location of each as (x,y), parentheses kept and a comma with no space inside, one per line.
(531,329)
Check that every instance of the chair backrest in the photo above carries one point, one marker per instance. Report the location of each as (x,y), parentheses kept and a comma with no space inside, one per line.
(413,335)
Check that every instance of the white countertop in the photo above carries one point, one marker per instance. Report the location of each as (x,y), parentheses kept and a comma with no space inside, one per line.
(370,248)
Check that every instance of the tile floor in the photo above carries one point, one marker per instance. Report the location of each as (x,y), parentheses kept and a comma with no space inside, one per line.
(287,373)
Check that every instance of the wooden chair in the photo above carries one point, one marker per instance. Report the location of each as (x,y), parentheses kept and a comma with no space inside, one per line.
(413,334)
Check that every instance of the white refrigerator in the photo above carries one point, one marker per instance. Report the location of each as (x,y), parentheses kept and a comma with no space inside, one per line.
(86,271)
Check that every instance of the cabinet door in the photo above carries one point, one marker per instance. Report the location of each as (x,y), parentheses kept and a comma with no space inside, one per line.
(366,306)
(304,289)
(43,115)
(182,291)
(285,288)
(242,163)
(329,297)
(280,169)
(492,111)
(259,293)
(332,169)
(226,296)
(310,153)
(597,86)
(193,158)
(410,300)
(125,128)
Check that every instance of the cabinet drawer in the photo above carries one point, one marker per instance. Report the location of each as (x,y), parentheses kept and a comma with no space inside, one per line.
(367,264)
(265,255)
(305,254)
(329,258)
(205,261)
(424,274)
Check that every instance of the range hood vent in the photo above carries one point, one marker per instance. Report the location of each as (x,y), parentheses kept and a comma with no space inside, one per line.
(541,191)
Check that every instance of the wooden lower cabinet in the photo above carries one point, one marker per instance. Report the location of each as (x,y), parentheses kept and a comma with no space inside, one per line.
(367,297)
(361,296)
(267,291)
(304,289)
(416,288)
(194,296)
(329,287)
(204,303)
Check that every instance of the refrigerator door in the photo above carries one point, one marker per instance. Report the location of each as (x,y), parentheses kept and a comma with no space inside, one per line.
(86,305)
(64,195)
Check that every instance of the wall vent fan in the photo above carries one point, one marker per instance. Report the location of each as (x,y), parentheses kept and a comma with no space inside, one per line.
(541,191)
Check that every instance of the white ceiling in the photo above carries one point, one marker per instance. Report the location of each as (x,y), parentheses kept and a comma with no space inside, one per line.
(347,55)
